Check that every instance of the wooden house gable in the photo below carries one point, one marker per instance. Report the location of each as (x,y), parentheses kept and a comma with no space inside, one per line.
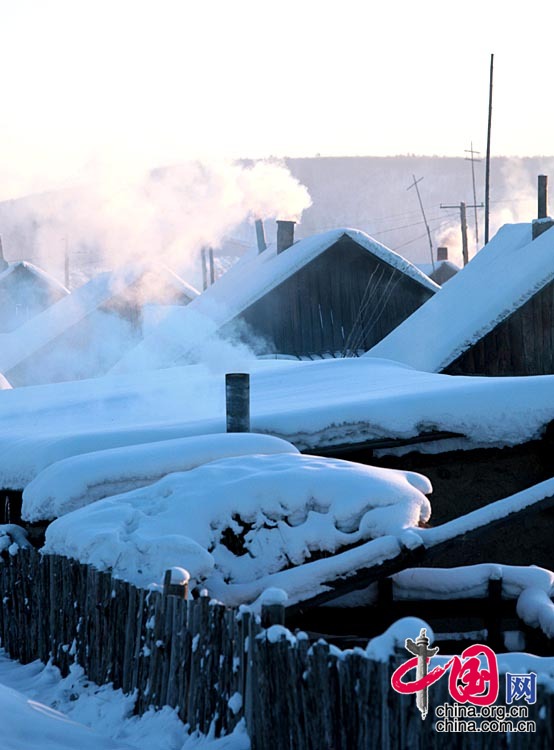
(344,300)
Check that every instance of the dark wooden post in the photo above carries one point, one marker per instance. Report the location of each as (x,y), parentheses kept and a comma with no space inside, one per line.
(494,614)
(542,222)
(260,236)
(212,267)
(542,196)
(285,235)
(176,583)
(463,222)
(273,614)
(204,270)
(237,398)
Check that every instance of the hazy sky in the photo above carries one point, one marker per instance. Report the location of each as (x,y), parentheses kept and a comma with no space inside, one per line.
(156,81)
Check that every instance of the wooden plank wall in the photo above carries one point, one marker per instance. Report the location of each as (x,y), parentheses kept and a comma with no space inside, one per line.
(197,655)
(318,310)
(523,344)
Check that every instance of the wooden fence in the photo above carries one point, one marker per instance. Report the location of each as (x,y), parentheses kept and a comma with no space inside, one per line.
(217,665)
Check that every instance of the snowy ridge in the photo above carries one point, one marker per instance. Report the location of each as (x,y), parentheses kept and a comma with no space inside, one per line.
(252,277)
(498,280)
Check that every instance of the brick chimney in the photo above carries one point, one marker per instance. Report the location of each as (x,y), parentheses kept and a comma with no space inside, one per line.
(543,222)
(285,235)
(260,236)
(442,253)
(3,263)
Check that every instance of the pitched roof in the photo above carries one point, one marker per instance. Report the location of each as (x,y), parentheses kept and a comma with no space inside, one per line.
(34,271)
(250,279)
(70,310)
(506,273)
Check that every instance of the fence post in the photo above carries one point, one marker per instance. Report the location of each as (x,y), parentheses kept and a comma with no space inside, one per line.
(273,614)
(176,582)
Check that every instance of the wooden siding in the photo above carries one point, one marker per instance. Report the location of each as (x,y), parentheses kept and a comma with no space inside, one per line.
(523,344)
(344,299)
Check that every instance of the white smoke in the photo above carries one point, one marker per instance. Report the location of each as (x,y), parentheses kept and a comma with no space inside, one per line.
(124,215)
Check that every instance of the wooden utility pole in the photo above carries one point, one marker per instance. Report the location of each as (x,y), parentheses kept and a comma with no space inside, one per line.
(463,225)
(66,263)
(212,267)
(473,160)
(415,184)
(488,158)
(204,269)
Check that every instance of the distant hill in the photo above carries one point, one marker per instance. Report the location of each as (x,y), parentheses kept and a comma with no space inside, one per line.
(368,193)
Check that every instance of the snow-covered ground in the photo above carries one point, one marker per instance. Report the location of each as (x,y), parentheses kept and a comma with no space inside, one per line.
(40,710)
(311,404)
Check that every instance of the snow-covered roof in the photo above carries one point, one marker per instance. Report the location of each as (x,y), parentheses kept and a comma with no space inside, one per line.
(237,520)
(247,281)
(507,272)
(80,480)
(67,312)
(34,271)
(314,405)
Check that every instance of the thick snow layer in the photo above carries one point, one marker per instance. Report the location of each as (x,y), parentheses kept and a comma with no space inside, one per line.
(488,513)
(535,607)
(95,717)
(470,581)
(311,404)
(499,279)
(252,277)
(389,643)
(79,480)
(239,520)
(4,383)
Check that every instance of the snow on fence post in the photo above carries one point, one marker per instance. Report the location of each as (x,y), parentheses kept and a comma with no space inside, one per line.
(237,399)
(176,582)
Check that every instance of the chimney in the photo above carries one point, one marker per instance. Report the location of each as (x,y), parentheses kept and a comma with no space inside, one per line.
(543,222)
(442,253)
(542,196)
(3,264)
(285,235)
(260,235)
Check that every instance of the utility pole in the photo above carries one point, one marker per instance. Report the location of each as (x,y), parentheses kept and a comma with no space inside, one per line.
(488,158)
(463,225)
(415,184)
(66,263)
(473,160)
